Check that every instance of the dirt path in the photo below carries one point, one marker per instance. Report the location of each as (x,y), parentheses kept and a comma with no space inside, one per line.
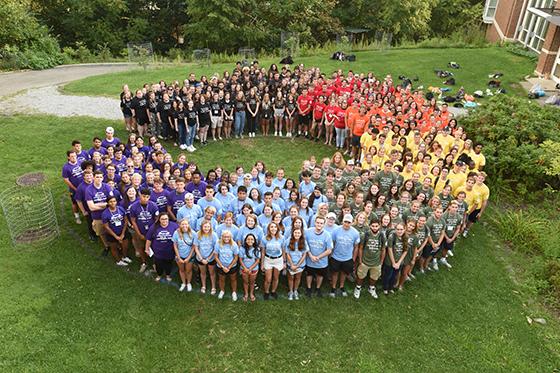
(13,82)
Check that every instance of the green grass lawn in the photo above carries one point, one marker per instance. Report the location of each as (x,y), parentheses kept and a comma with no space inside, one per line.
(65,309)
(475,63)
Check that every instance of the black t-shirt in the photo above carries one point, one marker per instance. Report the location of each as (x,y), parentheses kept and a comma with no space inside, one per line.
(165,109)
(240,105)
(252,101)
(191,116)
(125,106)
(228,106)
(216,107)
(152,106)
(203,114)
(139,105)
(180,116)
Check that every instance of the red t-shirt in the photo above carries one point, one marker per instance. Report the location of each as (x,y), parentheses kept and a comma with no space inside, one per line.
(305,103)
(318,110)
(340,116)
(330,112)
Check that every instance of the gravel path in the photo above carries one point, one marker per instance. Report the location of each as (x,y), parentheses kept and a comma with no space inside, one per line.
(49,100)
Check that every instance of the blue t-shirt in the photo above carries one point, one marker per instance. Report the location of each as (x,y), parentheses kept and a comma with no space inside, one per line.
(223,228)
(272,247)
(204,203)
(206,245)
(184,243)
(306,189)
(198,224)
(296,254)
(192,214)
(244,231)
(226,253)
(318,243)
(115,219)
(344,242)
(249,260)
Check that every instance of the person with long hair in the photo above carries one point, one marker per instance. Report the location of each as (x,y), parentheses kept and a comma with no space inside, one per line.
(290,115)
(296,252)
(272,260)
(159,243)
(253,108)
(183,240)
(250,257)
(397,248)
(229,112)
(267,113)
(226,253)
(279,106)
(204,244)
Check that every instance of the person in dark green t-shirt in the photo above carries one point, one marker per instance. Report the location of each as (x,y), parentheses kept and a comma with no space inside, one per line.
(371,254)
(453,222)
(397,248)
(435,225)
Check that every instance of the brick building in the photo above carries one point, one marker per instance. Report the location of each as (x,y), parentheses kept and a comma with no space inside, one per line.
(533,23)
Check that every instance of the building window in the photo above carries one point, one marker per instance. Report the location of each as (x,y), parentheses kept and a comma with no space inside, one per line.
(534,27)
(489,11)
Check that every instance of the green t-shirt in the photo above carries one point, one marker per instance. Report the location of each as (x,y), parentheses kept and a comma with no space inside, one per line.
(445,200)
(409,215)
(435,227)
(374,244)
(412,244)
(397,245)
(452,221)
(385,180)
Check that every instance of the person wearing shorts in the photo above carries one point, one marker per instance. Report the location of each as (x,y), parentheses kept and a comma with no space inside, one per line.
(142,214)
(320,245)
(304,108)
(435,225)
(296,252)
(249,259)
(96,197)
(226,254)
(371,254)
(273,259)
(72,174)
(183,240)
(216,116)
(204,244)
(346,239)
(140,112)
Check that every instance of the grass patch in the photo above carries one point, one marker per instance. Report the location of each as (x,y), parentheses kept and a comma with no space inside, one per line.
(476,64)
(64,308)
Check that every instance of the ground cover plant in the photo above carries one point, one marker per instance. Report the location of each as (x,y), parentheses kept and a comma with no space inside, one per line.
(63,308)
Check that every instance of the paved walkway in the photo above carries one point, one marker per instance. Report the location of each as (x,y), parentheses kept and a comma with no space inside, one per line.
(13,82)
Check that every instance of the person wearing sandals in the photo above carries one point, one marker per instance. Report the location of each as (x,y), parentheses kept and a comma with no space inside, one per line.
(250,256)
(226,253)
(183,240)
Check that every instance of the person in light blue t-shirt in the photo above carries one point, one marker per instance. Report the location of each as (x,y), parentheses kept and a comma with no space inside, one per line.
(296,250)
(227,225)
(183,240)
(204,243)
(190,211)
(226,254)
(249,260)
(210,200)
(346,240)
(272,260)
(320,247)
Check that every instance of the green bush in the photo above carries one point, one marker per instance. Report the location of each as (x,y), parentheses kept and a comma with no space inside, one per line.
(520,50)
(512,130)
(521,231)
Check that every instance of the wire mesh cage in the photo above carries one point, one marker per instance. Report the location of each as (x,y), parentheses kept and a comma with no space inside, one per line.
(142,53)
(29,212)
(247,55)
(383,39)
(289,43)
(202,56)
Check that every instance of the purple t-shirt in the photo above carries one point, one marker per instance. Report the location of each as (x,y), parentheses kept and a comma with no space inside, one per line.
(160,199)
(101,151)
(73,172)
(106,143)
(145,215)
(197,190)
(81,194)
(120,165)
(82,156)
(162,240)
(98,195)
(175,200)
(115,219)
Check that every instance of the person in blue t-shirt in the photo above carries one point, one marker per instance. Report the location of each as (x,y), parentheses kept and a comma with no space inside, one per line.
(320,247)
(227,225)
(210,200)
(226,253)
(273,260)
(296,252)
(249,260)
(183,240)
(190,211)
(346,239)
(204,243)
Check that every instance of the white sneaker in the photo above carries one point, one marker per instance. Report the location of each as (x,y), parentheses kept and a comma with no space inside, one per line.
(290,295)
(280,134)
(220,295)
(189,288)
(193,148)
(183,286)
(202,290)
(126,259)
(296,295)
(422,271)
(450,253)
(466,233)
(275,133)
(213,292)
(143,268)
(372,291)
(120,263)
(356,293)
(445,263)
(78,220)
(234,296)
(412,276)
(435,266)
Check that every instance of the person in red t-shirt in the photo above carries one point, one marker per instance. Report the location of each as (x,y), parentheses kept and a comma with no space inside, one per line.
(358,126)
(330,118)
(340,125)
(318,117)
(304,106)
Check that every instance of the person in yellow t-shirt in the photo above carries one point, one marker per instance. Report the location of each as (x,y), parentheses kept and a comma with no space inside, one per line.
(445,140)
(474,199)
(483,190)
(457,177)
(478,158)
(368,139)
(408,170)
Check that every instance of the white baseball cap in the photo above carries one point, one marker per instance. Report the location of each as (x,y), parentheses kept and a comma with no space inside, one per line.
(109,130)
(347,218)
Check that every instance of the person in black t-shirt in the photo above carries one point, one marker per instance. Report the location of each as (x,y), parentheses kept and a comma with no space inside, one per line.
(140,112)
(240,114)
(217,116)
(191,116)
(164,115)
(253,106)
(126,101)
(228,109)
(204,120)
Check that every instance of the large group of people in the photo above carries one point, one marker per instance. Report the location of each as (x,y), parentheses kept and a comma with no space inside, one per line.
(411,185)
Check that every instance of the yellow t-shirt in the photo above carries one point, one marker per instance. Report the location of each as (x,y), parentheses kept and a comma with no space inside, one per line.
(446,142)
(479,160)
(472,198)
(456,180)
(439,186)
(367,141)
(483,191)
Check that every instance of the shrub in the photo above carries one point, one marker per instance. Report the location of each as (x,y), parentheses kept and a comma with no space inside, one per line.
(512,130)
(521,231)
(520,50)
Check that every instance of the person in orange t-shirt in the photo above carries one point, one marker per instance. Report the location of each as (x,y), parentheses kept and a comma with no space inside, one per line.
(358,126)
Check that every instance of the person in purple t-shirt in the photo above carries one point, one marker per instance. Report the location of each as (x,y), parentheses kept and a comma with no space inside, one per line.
(197,187)
(159,195)
(82,154)
(116,232)
(159,241)
(96,197)
(109,138)
(176,198)
(72,175)
(143,215)
(96,148)
(80,197)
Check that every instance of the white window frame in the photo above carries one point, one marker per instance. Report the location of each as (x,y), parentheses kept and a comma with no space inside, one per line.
(531,22)
(490,11)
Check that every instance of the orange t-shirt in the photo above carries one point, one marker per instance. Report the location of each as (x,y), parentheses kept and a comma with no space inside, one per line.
(359,124)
